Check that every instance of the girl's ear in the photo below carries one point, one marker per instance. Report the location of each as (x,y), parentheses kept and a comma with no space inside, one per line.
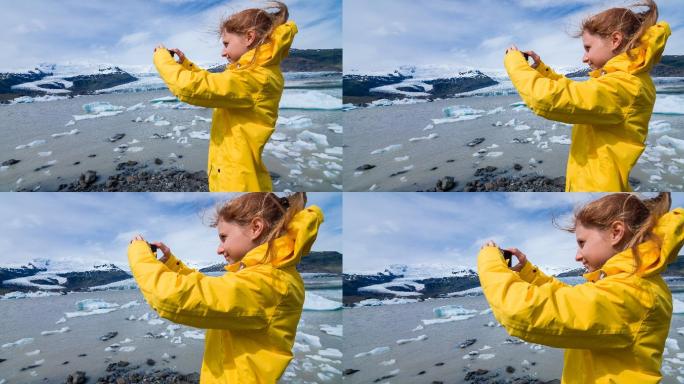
(617,232)
(616,39)
(256,228)
(250,37)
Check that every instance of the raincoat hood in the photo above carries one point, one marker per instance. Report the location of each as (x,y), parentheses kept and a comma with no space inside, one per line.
(274,51)
(654,255)
(301,234)
(644,57)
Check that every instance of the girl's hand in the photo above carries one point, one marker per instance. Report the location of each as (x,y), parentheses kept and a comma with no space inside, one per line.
(181,55)
(522,259)
(165,250)
(535,57)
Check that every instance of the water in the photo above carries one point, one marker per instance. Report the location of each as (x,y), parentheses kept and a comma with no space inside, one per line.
(27,318)
(370,129)
(69,154)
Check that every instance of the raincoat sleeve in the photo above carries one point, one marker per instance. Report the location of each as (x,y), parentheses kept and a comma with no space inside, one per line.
(190,66)
(604,100)
(533,275)
(203,88)
(546,71)
(580,317)
(178,266)
(242,300)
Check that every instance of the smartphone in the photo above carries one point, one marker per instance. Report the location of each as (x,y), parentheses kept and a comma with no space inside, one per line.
(172,53)
(153,247)
(527,57)
(508,256)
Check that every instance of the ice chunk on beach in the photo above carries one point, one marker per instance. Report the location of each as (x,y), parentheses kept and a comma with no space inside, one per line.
(421,138)
(428,127)
(315,302)
(61,330)
(406,341)
(91,304)
(309,100)
(278,136)
(333,330)
(32,144)
(388,148)
(295,122)
(99,106)
(197,335)
(521,127)
(373,352)
(677,144)
(201,135)
(659,127)
(672,344)
(562,139)
(496,110)
(18,343)
(317,138)
(336,128)
(330,352)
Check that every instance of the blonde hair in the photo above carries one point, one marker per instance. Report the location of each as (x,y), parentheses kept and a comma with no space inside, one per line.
(632,25)
(276,212)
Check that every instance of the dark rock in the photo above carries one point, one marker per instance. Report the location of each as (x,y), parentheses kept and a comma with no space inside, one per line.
(87,178)
(379,379)
(46,166)
(450,161)
(77,163)
(446,184)
(158,161)
(116,137)
(78,377)
(150,362)
(421,373)
(93,155)
(128,164)
(476,141)
(1,360)
(9,162)
(439,364)
(365,167)
(398,173)
(65,363)
(467,343)
(109,335)
(485,171)
(349,371)
(274,175)
(434,168)
(517,167)
(83,355)
(510,369)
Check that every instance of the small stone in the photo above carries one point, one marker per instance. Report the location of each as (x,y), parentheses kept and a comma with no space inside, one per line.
(510,369)
(439,364)
(158,161)
(109,335)
(93,155)
(116,137)
(446,184)
(365,167)
(349,371)
(476,141)
(517,167)
(9,162)
(150,362)
(467,343)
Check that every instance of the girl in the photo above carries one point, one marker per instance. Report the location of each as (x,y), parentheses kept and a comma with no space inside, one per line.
(245,97)
(612,109)
(614,326)
(251,312)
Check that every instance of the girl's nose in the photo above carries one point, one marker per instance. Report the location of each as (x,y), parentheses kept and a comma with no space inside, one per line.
(585,59)
(220,250)
(578,257)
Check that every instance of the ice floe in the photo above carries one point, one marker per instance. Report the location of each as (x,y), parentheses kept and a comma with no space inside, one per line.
(421,138)
(309,100)
(373,352)
(388,148)
(61,330)
(315,302)
(69,133)
(406,341)
(669,105)
(333,330)
(32,144)
(18,343)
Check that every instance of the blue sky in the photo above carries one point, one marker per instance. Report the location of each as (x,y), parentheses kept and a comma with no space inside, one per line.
(125,32)
(381,229)
(90,228)
(381,35)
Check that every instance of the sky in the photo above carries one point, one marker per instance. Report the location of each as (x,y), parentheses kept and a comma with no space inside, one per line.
(125,32)
(381,229)
(382,35)
(94,228)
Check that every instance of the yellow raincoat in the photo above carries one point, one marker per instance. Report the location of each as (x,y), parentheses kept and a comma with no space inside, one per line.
(613,327)
(610,111)
(250,313)
(245,98)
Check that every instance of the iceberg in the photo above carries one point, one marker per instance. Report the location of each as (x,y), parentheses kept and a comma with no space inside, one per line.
(99,106)
(373,352)
(671,142)
(388,148)
(295,122)
(315,302)
(72,132)
(669,105)
(91,304)
(461,110)
(452,310)
(333,330)
(317,138)
(309,100)
(421,138)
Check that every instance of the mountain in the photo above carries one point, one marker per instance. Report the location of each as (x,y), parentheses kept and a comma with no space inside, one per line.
(314,262)
(360,89)
(42,275)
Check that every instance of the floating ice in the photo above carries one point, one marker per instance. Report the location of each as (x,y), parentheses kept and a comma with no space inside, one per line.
(32,144)
(373,352)
(91,304)
(317,138)
(61,330)
(278,136)
(388,148)
(166,99)
(20,342)
(102,113)
(135,149)
(309,100)
(98,107)
(127,349)
(307,339)
(330,352)
(455,119)
(387,363)
(562,139)
(677,144)
(162,123)
(460,110)
(295,122)
(376,302)
(197,335)
(45,154)
(333,330)
(494,154)
(135,107)
(72,132)
(33,353)
(669,105)
(101,311)
(672,344)
(512,123)
(61,320)
(428,137)
(486,356)
(155,322)
(406,341)
(659,127)
(70,123)
(665,150)
(297,347)
(335,127)
(428,127)
(452,310)
(201,135)
(521,127)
